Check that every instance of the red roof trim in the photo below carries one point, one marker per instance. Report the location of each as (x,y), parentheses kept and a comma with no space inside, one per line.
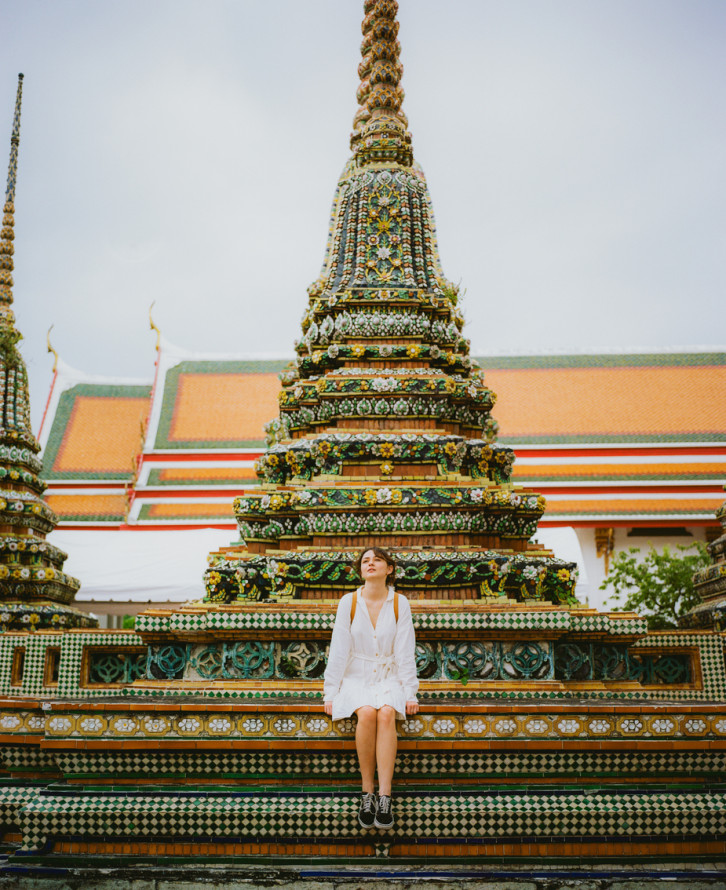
(206,456)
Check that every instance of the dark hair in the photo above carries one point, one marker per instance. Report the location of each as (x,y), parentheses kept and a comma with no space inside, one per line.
(383,554)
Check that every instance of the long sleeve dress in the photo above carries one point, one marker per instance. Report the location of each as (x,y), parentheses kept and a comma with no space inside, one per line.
(371,666)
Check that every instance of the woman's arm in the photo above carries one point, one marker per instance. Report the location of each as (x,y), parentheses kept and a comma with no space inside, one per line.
(404,652)
(339,651)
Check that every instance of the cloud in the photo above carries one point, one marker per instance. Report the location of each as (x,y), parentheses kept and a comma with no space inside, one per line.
(186,152)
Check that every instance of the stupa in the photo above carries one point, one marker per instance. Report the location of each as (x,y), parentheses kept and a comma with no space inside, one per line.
(548,733)
(34,591)
(385,434)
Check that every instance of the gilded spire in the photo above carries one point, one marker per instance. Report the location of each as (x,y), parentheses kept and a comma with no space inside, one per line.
(7,235)
(380,127)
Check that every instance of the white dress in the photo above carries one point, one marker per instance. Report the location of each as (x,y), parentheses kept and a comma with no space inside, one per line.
(371,666)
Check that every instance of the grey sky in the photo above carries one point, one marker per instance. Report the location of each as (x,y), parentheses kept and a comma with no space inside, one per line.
(186,152)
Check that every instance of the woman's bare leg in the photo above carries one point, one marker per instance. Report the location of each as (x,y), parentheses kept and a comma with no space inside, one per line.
(365,744)
(386,744)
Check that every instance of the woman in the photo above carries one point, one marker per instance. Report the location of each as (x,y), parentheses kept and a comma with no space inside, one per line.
(372,672)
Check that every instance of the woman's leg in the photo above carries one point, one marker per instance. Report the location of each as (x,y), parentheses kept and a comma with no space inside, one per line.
(386,744)
(365,744)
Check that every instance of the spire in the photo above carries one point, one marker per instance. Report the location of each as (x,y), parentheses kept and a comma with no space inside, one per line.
(7,235)
(34,590)
(380,127)
(382,232)
(14,143)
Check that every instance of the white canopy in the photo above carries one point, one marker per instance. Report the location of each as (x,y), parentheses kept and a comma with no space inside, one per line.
(140,566)
(168,566)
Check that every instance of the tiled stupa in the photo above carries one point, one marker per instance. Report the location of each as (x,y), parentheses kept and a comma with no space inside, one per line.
(34,591)
(385,434)
(548,732)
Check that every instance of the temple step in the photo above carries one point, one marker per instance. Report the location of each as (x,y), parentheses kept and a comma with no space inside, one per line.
(324,821)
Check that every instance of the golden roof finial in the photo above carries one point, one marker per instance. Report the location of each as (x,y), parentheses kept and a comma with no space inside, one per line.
(154,327)
(51,350)
(7,235)
(380,127)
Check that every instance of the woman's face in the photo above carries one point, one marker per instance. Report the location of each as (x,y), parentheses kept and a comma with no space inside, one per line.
(374,567)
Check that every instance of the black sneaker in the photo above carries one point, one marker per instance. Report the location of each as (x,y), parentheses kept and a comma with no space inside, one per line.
(367,811)
(384,816)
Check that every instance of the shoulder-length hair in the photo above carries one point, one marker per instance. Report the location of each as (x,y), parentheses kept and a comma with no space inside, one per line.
(383,554)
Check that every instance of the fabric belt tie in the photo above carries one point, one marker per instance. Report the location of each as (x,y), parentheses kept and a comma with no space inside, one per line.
(386,664)
(386,661)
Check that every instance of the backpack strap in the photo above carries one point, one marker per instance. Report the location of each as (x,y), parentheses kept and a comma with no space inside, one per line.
(395,604)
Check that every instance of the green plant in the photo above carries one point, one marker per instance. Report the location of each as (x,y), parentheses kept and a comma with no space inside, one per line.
(288,666)
(659,586)
(460,674)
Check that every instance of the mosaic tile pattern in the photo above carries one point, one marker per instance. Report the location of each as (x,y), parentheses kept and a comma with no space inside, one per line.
(324,815)
(12,799)
(323,766)
(269,616)
(24,758)
(82,671)
(711,655)
(72,646)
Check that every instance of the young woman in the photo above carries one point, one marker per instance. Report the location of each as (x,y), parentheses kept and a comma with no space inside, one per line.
(372,672)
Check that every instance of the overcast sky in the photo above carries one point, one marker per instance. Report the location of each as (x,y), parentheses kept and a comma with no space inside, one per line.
(186,152)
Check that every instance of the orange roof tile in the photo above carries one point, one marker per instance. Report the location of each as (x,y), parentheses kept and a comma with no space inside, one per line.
(186,511)
(224,408)
(599,402)
(96,432)
(104,507)
(205,474)
(630,506)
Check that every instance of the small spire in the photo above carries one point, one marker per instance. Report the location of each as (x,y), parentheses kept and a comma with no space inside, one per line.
(7,235)
(14,143)
(380,127)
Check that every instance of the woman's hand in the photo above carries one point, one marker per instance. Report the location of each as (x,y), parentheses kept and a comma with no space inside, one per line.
(411,708)
(328,708)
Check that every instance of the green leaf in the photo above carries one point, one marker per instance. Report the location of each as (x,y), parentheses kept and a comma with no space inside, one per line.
(657,585)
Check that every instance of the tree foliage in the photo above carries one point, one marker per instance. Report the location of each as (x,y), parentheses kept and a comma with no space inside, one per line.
(658,586)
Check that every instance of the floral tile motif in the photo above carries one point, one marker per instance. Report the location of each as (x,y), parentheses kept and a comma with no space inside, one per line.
(114,725)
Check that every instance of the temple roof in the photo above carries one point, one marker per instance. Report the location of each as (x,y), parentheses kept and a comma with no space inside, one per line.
(635,439)
(96,432)
(609,398)
(217,404)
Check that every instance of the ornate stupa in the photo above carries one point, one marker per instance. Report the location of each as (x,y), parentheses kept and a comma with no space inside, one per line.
(385,434)
(34,591)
